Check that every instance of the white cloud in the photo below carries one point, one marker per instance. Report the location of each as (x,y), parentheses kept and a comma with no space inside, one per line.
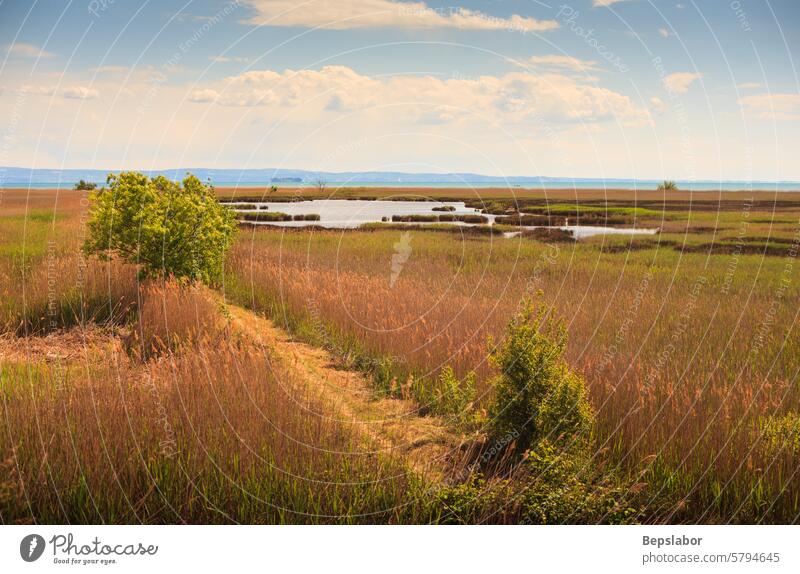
(242,98)
(657,105)
(749,86)
(222,59)
(75,92)
(204,96)
(515,98)
(606,2)
(348,14)
(80,93)
(38,90)
(26,51)
(679,82)
(772,106)
(664,33)
(556,61)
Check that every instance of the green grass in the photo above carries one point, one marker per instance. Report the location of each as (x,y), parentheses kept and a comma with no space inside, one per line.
(567,209)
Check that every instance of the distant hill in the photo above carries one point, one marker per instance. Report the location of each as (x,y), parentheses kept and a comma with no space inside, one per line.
(20,176)
(250,176)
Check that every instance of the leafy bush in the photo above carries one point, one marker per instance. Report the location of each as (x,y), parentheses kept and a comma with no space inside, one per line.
(549,487)
(562,488)
(536,394)
(454,397)
(667,185)
(166,228)
(85,186)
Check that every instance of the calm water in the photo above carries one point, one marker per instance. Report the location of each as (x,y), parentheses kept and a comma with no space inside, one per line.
(349,214)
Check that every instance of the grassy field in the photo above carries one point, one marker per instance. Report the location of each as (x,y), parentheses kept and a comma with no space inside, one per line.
(686,340)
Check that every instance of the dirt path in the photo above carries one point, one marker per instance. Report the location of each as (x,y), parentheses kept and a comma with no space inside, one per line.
(391,425)
(74,345)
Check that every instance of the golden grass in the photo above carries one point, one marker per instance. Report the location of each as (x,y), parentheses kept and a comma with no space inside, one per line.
(212,435)
(686,355)
(45,281)
(172,316)
(692,359)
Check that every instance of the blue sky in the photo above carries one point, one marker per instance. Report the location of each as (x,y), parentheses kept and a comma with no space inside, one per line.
(704,89)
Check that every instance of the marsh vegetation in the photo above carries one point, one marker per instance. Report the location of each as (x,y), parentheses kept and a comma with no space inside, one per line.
(612,379)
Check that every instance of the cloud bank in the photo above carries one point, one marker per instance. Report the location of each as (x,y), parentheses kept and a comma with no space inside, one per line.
(517,97)
(351,14)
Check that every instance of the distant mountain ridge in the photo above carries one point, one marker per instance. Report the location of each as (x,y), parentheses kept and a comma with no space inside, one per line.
(21,175)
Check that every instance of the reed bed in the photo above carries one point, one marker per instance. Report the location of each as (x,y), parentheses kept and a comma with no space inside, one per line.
(172,316)
(214,435)
(690,354)
(689,357)
(45,281)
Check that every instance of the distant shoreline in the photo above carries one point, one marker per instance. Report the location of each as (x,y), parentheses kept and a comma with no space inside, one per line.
(689,200)
(699,187)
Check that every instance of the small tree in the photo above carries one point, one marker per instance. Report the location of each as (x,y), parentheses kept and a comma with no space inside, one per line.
(537,396)
(85,186)
(167,228)
(320,184)
(667,185)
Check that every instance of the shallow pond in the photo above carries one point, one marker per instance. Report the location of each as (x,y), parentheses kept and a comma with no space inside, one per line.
(349,214)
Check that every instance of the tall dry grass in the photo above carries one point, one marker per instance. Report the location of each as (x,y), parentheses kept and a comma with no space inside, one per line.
(687,356)
(211,435)
(172,315)
(45,281)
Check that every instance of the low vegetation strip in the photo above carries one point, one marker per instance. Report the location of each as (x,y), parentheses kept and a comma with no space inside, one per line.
(434,218)
(276,216)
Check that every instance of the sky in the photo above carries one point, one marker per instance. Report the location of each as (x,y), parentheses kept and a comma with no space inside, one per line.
(646,89)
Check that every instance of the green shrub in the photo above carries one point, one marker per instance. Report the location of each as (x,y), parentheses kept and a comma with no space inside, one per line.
(563,488)
(536,394)
(549,487)
(163,227)
(85,186)
(454,397)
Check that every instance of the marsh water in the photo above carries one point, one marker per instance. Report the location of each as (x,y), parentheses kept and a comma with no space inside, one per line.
(350,214)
